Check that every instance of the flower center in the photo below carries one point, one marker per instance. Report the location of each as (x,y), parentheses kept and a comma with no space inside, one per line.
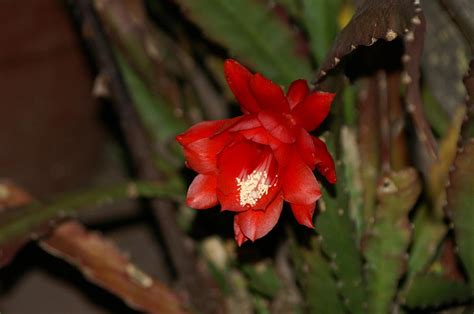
(253,187)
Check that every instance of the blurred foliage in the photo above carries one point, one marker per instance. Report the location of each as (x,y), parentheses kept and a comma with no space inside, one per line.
(249,30)
(315,276)
(320,24)
(381,229)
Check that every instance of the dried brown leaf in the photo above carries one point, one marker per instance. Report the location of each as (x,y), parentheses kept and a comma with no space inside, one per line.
(388,19)
(373,20)
(103,264)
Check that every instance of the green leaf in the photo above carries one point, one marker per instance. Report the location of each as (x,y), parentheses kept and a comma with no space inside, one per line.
(338,241)
(314,275)
(320,20)
(252,34)
(433,291)
(387,240)
(460,207)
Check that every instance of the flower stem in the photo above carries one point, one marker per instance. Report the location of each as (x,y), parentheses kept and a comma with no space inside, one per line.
(19,225)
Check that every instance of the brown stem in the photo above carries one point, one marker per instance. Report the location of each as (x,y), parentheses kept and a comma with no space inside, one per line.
(398,144)
(201,292)
(381,78)
(212,103)
(393,150)
(369,139)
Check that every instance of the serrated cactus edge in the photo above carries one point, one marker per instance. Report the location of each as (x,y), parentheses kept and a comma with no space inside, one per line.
(387,240)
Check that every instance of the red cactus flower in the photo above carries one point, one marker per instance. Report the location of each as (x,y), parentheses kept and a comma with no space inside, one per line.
(252,163)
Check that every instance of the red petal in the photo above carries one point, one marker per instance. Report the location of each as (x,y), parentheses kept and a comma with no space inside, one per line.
(269,95)
(200,131)
(202,192)
(257,135)
(276,126)
(324,161)
(240,238)
(231,163)
(230,201)
(248,121)
(283,154)
(238,78)
(255,224)
(305,145)
(201,155)
(297,91)
(299,184)
(238,162)
(313,110)
(304,214)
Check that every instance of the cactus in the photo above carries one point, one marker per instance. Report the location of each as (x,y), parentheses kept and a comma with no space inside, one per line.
(438,175)
(460,190)
(431,291)
(427,234)
(314,274)
(262,279)
(352,165)
(338,242)
(428,225)
(460,207)
(388,238)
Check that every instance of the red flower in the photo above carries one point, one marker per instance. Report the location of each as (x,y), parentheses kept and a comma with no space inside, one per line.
(252,163)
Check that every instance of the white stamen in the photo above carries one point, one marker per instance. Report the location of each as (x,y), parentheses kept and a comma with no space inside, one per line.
(253,187)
